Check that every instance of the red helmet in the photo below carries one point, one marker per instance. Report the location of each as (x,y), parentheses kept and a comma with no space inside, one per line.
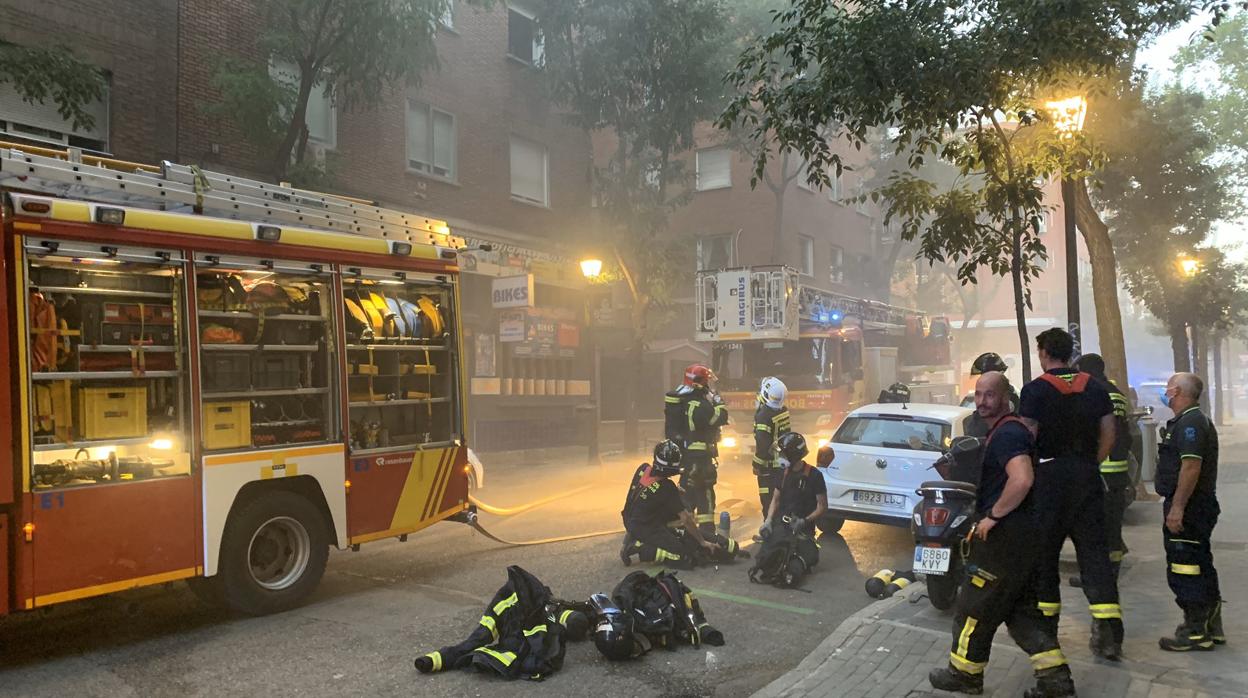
(697,375)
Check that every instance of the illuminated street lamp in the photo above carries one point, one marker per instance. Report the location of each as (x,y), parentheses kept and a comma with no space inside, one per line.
(1190,267)
(1068,115)
(591,269)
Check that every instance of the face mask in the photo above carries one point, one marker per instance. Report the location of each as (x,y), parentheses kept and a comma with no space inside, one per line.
(1167,400)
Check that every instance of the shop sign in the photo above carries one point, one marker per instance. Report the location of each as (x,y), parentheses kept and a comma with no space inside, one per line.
(511,326)
(513,291)
(569,335)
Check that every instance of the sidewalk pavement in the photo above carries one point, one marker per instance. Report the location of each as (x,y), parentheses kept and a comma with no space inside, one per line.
(887,649)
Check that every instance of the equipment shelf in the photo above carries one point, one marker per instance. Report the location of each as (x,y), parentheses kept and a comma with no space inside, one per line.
(259,347)
(247,394)
(106,292)
(245,315)
(101,375)
(415,401)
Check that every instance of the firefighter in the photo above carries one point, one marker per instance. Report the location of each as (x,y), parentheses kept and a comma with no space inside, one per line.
(1072,418)
(999,587)
(1187,474)
(789,551)
(693,415)
(653,505)
(1114,470)
(771,421)
(984,363)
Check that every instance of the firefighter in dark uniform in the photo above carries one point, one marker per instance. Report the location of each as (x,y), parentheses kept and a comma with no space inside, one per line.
(1187,475)
(1073,420)
(1114,469)
(693,416)
(1000,570)
(771,421)
(985,363)
(654,505)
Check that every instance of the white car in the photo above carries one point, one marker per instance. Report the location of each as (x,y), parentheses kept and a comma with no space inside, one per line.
(883,453)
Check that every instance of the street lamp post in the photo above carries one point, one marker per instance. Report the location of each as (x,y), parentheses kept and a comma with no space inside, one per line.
(591,269)
(1068,115)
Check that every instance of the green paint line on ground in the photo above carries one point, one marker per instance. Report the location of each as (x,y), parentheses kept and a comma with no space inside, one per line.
(754,602)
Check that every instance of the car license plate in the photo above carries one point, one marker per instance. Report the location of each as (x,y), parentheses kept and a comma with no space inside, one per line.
(931,560)
(879,498)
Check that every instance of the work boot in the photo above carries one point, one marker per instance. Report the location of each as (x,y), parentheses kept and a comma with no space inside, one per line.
(1053,683)
(1104,642)
(626,550)
(1215,625)
(1191,635)
(952,679)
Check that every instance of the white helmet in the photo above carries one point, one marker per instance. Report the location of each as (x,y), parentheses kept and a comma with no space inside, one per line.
(772,392)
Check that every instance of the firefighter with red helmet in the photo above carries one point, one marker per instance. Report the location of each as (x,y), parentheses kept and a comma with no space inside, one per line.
(693,415)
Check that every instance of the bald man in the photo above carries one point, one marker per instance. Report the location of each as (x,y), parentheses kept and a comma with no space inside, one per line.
(1187,475)
(1001,588)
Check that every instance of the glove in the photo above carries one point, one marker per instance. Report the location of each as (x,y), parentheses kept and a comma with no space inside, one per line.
(765,529)
(798,526)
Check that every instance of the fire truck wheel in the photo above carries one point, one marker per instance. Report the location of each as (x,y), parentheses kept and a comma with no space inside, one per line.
(273,553)
(830,524)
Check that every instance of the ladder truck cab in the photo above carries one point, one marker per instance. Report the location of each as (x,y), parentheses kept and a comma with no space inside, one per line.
(833,351)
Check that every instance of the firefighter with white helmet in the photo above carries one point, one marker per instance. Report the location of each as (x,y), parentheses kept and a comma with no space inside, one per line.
(771,421)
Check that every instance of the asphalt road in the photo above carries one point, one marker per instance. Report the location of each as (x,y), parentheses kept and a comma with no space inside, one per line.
(379,608)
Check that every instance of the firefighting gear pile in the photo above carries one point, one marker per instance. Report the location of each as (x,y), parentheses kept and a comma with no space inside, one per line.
(524,629)
(520,635)
(788,553)
(645,612)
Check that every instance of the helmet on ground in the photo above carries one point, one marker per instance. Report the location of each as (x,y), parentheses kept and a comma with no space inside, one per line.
(988,361)
(1091,363)
(825,456)
(772,392)
(792,446)
(666,461)
(698,375)
(613,632)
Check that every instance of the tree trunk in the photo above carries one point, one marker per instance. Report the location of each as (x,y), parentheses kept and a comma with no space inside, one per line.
(1200,362)
(1219,391)
(636,362)
(1231,367)
(1104,285)
(1179,346)
(281,159)
(1020,307)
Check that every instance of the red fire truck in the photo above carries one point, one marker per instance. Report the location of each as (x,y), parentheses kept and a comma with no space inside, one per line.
(834,352)
(215,379)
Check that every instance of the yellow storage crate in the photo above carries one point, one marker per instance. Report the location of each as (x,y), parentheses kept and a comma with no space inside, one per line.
(227,425)
(112,413)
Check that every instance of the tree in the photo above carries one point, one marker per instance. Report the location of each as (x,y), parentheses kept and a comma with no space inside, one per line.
(641,74)
(956,79)
(1161,197)
(353,49)
(39,74)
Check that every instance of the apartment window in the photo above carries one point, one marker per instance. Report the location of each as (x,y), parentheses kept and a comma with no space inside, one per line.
(808,254)
(717,251)
(42,122)
(713,168)
(803,176)
(834,185)
(320,117)
(837,271)
(1042,223)
(524,39)
(430,140)
(922,271)
(448,16)
(529,181)
(860,205)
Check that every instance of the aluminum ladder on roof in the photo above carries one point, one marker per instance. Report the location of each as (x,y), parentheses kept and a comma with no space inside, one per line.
(185,189)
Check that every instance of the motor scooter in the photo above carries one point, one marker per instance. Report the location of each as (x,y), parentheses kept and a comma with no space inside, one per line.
(944,518)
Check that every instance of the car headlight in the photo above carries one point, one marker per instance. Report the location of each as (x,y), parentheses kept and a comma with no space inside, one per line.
(728,442)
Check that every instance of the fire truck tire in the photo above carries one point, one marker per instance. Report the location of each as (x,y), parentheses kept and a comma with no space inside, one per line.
(830,524)
(273,553)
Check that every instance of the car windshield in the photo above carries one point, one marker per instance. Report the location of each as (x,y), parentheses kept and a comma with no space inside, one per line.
(893,432)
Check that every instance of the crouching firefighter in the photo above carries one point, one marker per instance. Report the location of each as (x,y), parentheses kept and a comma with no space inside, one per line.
(693,416)
(789,551)
(654,504)
(999,586)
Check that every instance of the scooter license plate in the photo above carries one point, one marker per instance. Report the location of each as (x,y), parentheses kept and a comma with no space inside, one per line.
(932,560)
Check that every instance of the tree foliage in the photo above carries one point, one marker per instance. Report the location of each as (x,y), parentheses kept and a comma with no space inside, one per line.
(40,74)
(1218,68)
(355,49)
(961,80)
